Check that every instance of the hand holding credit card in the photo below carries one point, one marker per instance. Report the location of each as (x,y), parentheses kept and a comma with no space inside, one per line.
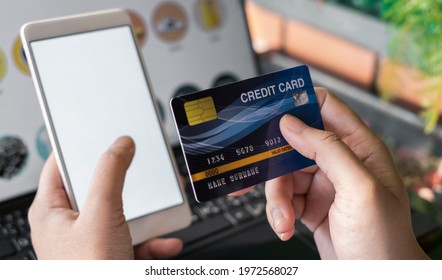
(230,134)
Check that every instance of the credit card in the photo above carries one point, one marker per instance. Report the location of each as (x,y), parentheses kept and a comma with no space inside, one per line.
(230,134)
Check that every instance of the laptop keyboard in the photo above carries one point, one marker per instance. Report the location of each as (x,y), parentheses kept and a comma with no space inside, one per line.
(221,214)
(15,239)
(208,219)
(224,214)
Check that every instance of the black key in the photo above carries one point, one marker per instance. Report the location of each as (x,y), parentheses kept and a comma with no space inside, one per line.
(18,213)
(22,226)
(31,255)
(10,229)
(233,202)
(23,242)
(8,218)
(256,208)
(222,203)
(195,218)
(240,215)
(208,209)
(20,222)
(202,211)
(214,210)
(254,194)
(7,249)
(200,230)
(3,232)
(244,199)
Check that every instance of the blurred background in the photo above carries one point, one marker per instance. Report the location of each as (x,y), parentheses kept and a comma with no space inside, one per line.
(385,59)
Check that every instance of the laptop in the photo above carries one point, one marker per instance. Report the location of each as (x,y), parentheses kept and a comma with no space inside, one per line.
(188,46)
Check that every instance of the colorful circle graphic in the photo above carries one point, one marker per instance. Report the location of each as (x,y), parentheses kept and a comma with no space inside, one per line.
(139,27)
(43,144)
(170,22)
(225,79)
(210,14)
(13,156)
(3,65)
(20,57)
(186,89)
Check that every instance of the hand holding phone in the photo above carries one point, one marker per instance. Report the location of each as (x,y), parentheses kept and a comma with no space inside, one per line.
(93,88)
(101,225)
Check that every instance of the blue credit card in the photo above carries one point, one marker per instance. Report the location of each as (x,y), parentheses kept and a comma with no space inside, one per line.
(230,134)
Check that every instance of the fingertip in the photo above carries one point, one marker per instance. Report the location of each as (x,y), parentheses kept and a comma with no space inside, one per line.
(119,155)
(281,221)
(291,124)
(158,248)
(166,248)
(287,235)
(279,208)
(124,142)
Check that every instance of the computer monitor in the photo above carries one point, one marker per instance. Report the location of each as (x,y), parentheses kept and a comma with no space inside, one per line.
(187,45)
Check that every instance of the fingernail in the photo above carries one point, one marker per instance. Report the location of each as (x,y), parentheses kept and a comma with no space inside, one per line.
(277,217)
(292,124)
(124,142)
(285,236)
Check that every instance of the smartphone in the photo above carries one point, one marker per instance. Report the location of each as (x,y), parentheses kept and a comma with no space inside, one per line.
(93,87)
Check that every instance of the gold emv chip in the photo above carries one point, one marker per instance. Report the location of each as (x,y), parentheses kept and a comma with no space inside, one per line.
(200,111)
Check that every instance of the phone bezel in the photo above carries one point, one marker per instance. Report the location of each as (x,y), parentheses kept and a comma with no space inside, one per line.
(149,225)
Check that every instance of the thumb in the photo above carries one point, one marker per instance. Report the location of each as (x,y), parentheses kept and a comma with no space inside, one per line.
(105,190)
(339,163)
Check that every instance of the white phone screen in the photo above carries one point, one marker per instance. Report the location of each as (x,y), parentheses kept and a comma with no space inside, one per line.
(96,90)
